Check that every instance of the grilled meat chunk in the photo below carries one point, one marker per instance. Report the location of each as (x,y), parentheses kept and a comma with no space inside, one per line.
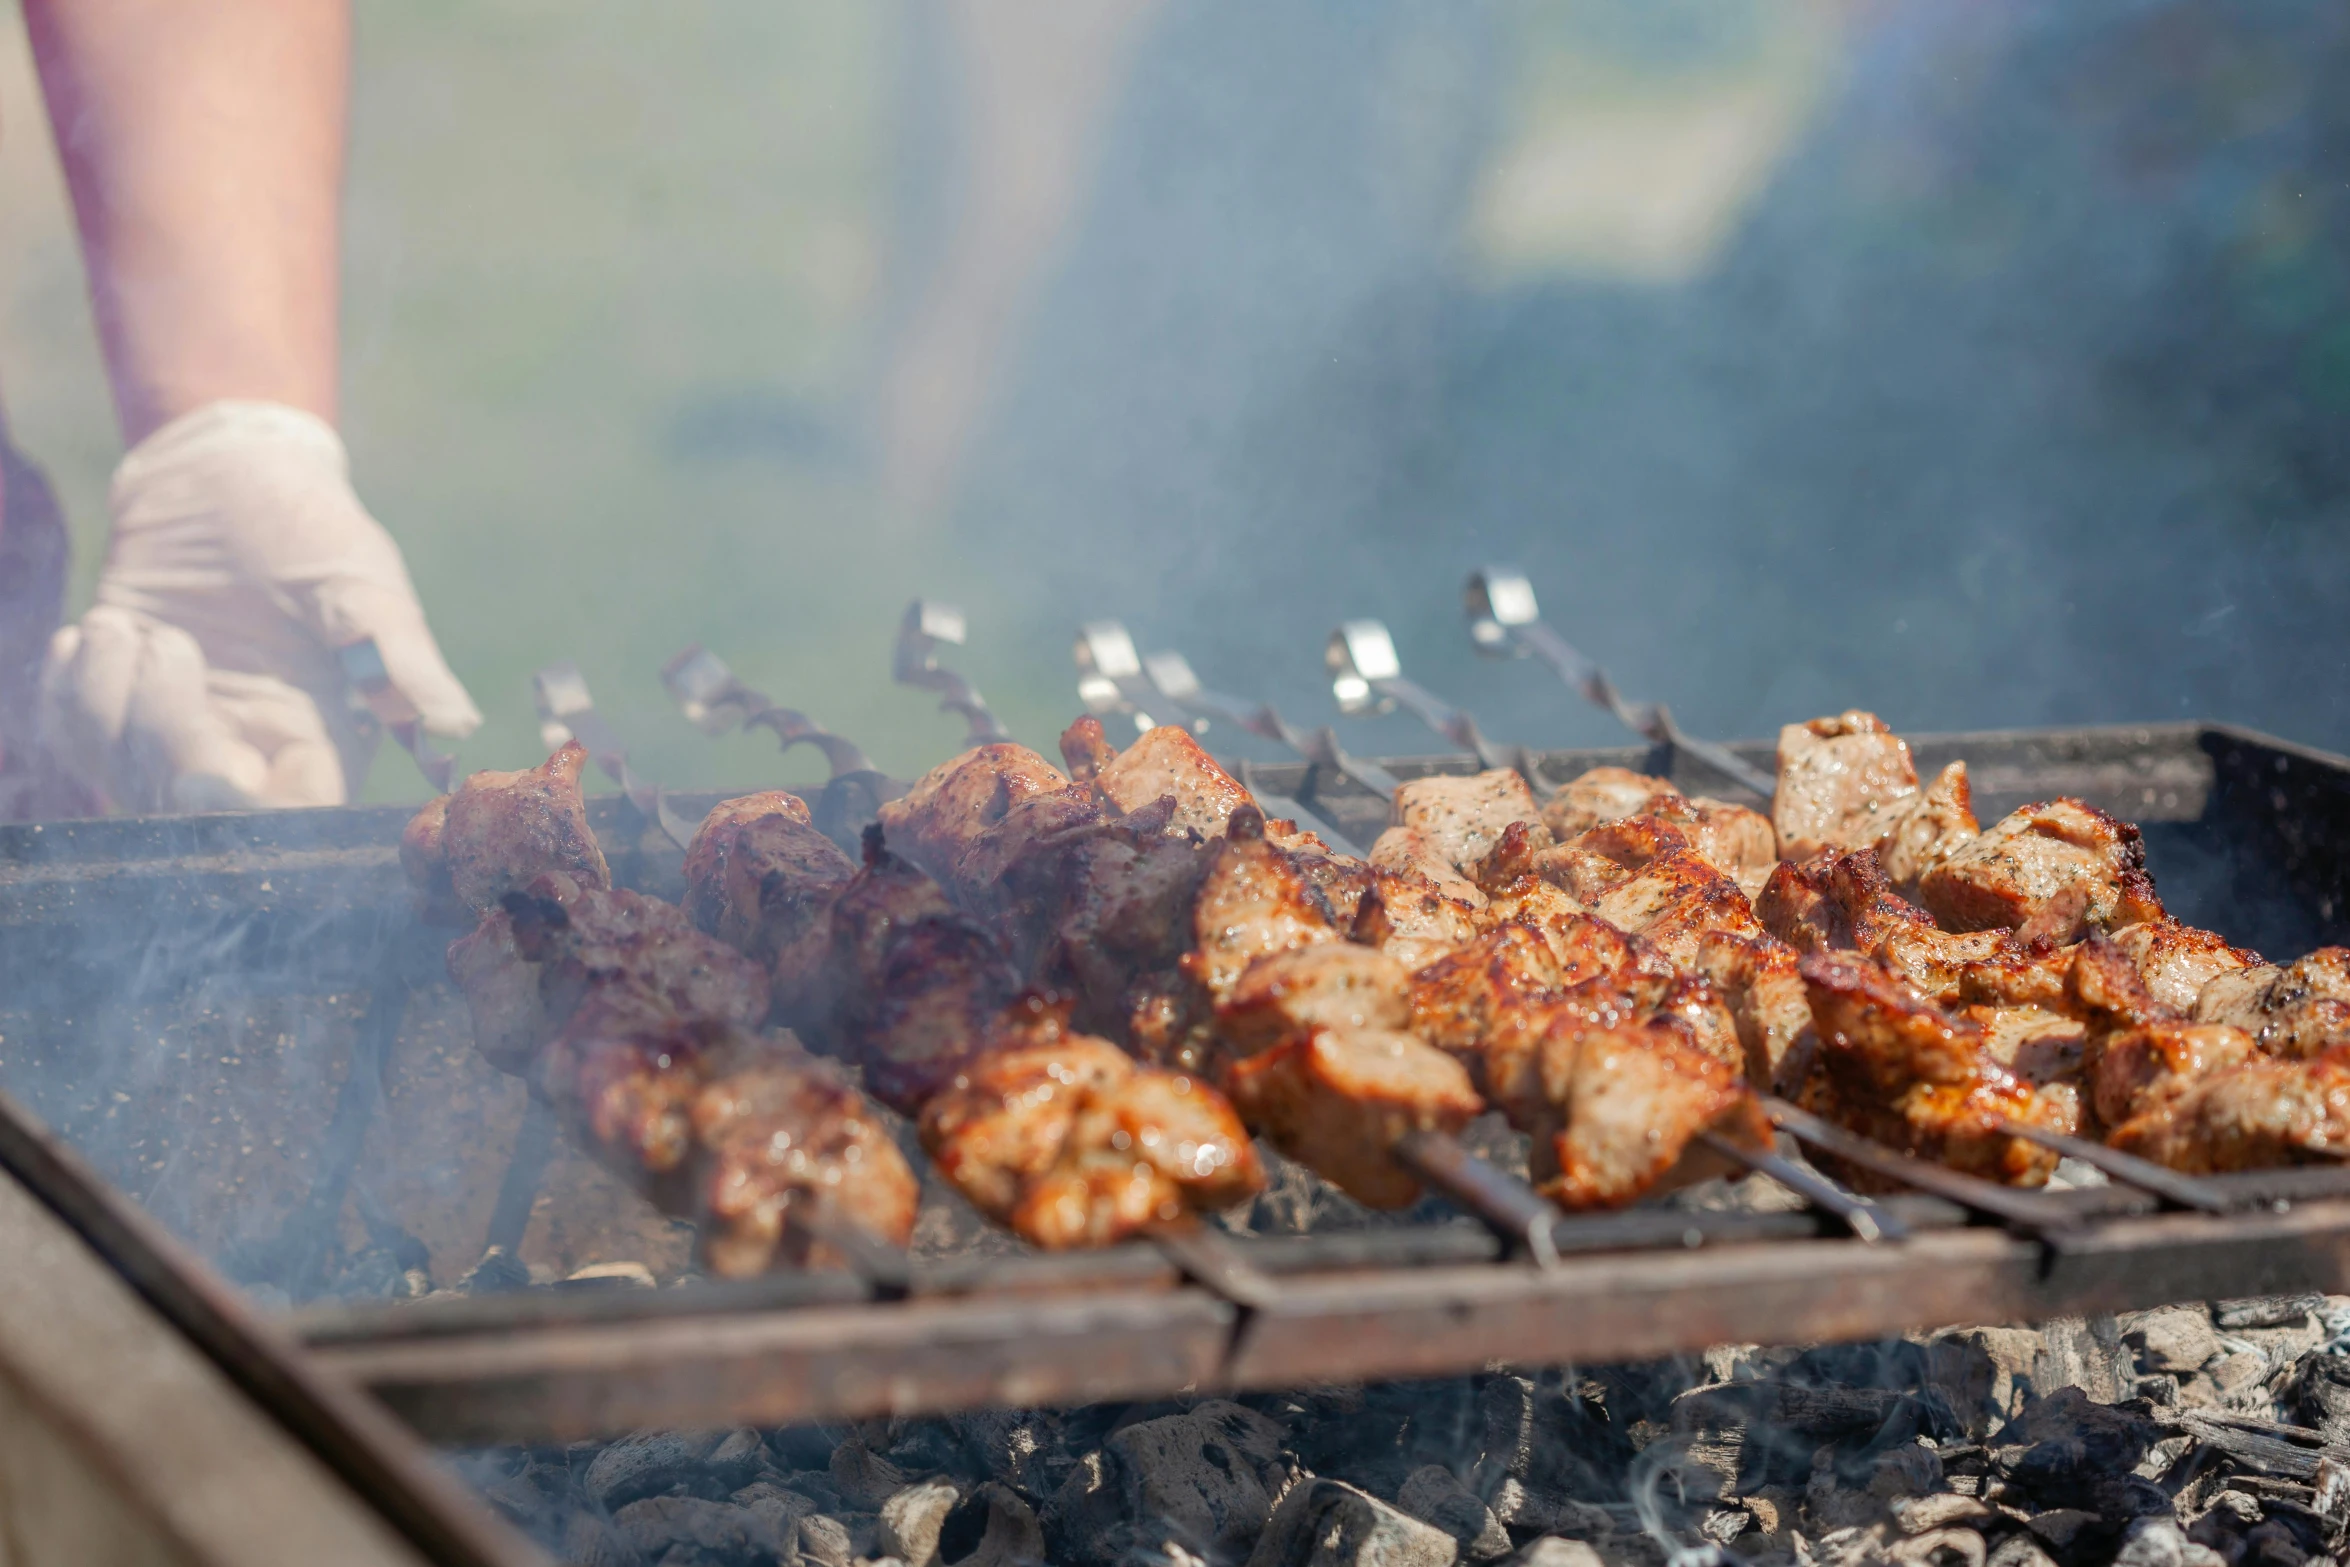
(1167,763)
(1757,976)
(2018,869)
(1604,794)
(2176,961)
(961,797)
(499,832)
(1461,819)
(1411,919)
(1673,902)
(1630,1101)
(1897,1068)
(1330,984)
(1252,903)
(2140,1069)
(624,955)
(1738,842)
(2265,1112)
(2298,1010)
(762,879)
(1408,851)
(1065,1140)
(1939,823)
(1337,1099)
(1844,783)
(1839,902)
(1457,1001)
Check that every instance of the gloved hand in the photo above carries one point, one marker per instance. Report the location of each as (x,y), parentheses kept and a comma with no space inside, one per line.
(206,676)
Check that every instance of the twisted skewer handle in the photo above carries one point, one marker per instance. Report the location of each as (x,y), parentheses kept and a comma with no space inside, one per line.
(566,711)
(928,626)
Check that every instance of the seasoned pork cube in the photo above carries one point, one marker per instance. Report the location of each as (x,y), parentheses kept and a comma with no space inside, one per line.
(1463,818)
(1166,762)
(1673,902)
(1844,782)
(1738,842)
(2176,961)
(1332,984)
(1935,826)
(1630,1100)
(2266,1112)
(783,1136)
(2020,866)
(2137,1069)
(1252,903)
(762,879)
(715,843)
(1407,851)
(499,832)
(1604,794)
(1455,1001)
(1337,1099)
(961,797)
(2297,1010)
(1411,919)
(1757,976)
(1897,1068)
(2038,1046)
(1069,1143)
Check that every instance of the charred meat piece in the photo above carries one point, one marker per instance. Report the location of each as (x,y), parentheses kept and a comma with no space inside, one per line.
(1167,763)
(1738,842)
(1604,794)
(1331,984)
(1252,903)
(2140,1069)
(1674,902)
(1065,1140)
(1758,977)
(1895,1067)
(2297,1010)
(2176,961)
(1407,851)
(1939,823)
(1411,919)
(625,956)
(1629,1101)
(499,832)
(1457,1001)
(2265,1112)
(762,879)
(1337,1099)
(1846,902)
(962,797)
(1461,819)
(1124,908)
(2020,867)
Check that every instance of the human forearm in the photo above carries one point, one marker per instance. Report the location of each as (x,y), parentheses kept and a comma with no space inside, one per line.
(203,141)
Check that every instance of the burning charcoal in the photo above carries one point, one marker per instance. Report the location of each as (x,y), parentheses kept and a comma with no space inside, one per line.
(721,1529)
(2160,1542)
(826,1541)
(2012,1352)
(1434,1494)
(1328,1523)
(2266,1311)
(2318,1396)
(2083,1353)
(1207,1478)
(2274,1544)
(992,1527)
(912,1519)
(2171,1338)
(2019,1550)
(648,1463)
(1939,1548)
(1551,1551)
(1011,1445)
(2062,1447)
(1533,1447)
(1906,1469)
(803,1447)
(1942,1510)
(2058,1527)
(863,1477)
(589,1540)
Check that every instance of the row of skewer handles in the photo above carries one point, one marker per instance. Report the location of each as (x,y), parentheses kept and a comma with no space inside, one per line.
(1848,997)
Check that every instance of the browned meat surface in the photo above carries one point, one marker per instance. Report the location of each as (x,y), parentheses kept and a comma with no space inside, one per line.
(1738,842)
(2176,961)
(1125,909)
(501,991)
(1461,819)
(2297,1010)
(2139,1069)
(960,798)
(1336,1100)
(2020,867)
(762,879)
(1674,902)
(1844,783)
(499,832)
(1628,1101)
(627,956)
(783,1138)
(1407,851)
(1895,1067)
(2019,976)
(1937,824)
(1167,763)
(2266,1112)
(1458,1000)
(1331,984)
(1065,1140)
(1836,902)
(1252,903)
(1757,977)
(1604,794)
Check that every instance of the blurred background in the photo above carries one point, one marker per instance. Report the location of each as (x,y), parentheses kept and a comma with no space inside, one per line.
(1980,362)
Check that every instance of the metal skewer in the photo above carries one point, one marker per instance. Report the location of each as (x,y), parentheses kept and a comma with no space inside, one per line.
(1366,677)
(1504,621)
(2022,1210)
(928,626)
(1865,1219)
(373,693)
(1111,679)
(567,711)
(2180,1191)
(715,702)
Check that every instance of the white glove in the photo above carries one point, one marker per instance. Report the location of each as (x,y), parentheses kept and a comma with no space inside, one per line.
(207,677)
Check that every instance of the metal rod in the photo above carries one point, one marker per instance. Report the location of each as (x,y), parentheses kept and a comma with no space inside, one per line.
(501,1266)
(714,701)
(567,711)
(374,695)
(1206,1257)
(1504,621)
(928,626)
(2180,1191)
(1865,1219)
(1523,1219)
(1171,675)
(2023,1210)
(1367,677)
(887,1268)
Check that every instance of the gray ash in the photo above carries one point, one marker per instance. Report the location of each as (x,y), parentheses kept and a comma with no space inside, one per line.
(2189,1436)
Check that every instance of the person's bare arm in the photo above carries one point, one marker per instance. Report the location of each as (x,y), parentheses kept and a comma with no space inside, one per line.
(203,141)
